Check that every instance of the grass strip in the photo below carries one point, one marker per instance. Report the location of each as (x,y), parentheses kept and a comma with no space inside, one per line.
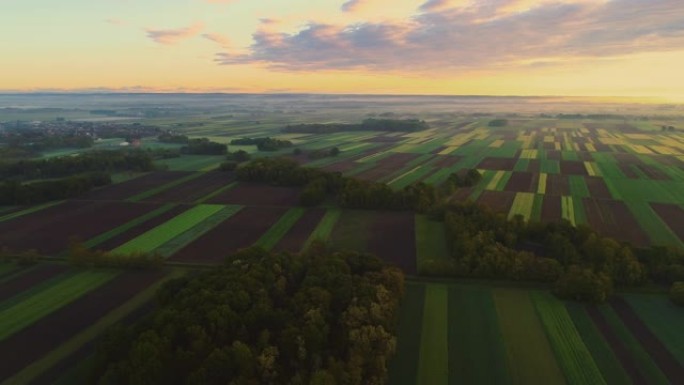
(605,358)
(151,192)
(168,230)
(325,226)
(431,242)
(37,306)
(127,226)
(663,318)
(173,245)
(403,367)
(278,230)
(216,193)
(529,356)
(433,367)
(29,211)
(572,354)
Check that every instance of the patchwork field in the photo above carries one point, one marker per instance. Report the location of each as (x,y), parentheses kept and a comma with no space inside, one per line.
(621,179)
(459,333)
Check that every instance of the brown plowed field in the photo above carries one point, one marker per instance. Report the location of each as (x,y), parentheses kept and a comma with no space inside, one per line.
(672,215)
(557,185)
(53,237)
(497,164)
(126,236)
(617,346)
(572,167)
(499,201)
(549,146)
(255,194)
(551,209)
(627,158)
(393,239)
(669,365)
(553,155)
(32,343)
(387,166)
(585,156)
(195,189)
(653,173)
(613,219)
(602,147)
(135,186)
(294,239)
(342,166)
(30,222)
(29,278)
(597,187)
(628,171)
(237,232)
(522,182)
(445,161)
(534,166)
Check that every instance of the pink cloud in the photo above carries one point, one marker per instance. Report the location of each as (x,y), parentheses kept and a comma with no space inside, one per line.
(217,38)
(173,36)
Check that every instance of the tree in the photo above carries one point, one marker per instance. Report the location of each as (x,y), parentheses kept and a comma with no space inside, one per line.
(677,293)
(583,284)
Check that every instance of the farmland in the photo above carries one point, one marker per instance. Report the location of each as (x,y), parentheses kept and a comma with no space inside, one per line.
(622,177)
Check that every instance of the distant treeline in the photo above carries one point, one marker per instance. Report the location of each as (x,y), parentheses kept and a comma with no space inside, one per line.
(371,124)
(350,192)
(16,193)
(203,146)
(92,161)
(263,144)
(498,123)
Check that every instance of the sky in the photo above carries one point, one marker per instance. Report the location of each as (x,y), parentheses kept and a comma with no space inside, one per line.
(457,47)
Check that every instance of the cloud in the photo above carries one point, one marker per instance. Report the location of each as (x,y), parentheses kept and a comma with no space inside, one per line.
(479,35)
(352,5)
(431,5)
(173,36)
(268,21)
(217,38)
(115,21)
(221,1)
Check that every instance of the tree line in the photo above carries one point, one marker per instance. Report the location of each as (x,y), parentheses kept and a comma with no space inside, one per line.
(14,192)
(263,144)
(370,124)
(264,318)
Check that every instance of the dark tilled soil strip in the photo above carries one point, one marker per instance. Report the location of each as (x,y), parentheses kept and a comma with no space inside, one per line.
(626,227)
(551,209)
(195,188)
(237,232)
(618,347)
(387,166)
(126,236)
(254,194)
(31,222)
(585,156)
(597,187)
(553,155)
(534,166)
(393,239)
(135,186)
(521,182)
(653,172)
(299,233)
(499,201)
(498,164)
(28,279)
(672,369)
(28,345)
(557,185)
(673,216)
(572,167)
(342,166)
(55,236)
(444,161)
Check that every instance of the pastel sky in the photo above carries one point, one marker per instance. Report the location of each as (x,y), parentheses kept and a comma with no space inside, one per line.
(495,47)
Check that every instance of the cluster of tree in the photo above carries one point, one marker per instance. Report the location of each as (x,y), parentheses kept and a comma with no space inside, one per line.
(318,154)
(81,256)
(498,123)
(263,144)
(460,179)
(350,192)
(582,264)
(667,128)
(168,137)
(371,124)
(13,192)
(91,161)
(203,146)
(677,293)
(264,318)
(233,160)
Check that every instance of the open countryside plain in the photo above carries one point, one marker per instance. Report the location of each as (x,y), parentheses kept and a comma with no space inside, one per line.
(624,179)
